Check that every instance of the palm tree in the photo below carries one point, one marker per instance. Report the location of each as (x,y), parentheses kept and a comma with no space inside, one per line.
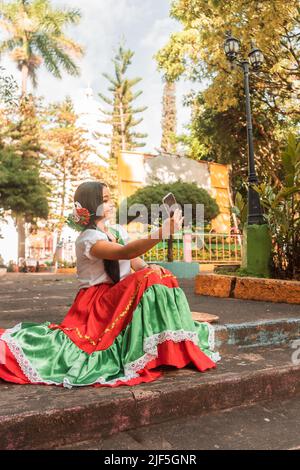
(35,36)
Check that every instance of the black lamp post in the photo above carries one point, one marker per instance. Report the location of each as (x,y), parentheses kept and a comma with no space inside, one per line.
(255,60)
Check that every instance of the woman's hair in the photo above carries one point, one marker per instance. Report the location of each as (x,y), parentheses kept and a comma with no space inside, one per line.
(90,196)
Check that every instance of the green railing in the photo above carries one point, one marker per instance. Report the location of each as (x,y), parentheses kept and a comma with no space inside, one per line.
(214,248)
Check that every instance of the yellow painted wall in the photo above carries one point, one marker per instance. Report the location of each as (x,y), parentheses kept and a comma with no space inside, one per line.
(219,175)
(131,177)
(130,174)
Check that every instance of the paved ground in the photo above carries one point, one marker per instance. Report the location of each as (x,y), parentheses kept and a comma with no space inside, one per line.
(38,298)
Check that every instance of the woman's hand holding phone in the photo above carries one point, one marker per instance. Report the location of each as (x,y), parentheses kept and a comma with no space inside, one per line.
(172,224)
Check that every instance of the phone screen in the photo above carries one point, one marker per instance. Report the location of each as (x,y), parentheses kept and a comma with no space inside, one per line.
(169,201)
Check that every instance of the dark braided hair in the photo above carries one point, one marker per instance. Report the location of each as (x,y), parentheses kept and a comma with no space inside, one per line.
(90,196)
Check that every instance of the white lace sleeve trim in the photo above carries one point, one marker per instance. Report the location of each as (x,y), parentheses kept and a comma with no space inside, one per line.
(90,240)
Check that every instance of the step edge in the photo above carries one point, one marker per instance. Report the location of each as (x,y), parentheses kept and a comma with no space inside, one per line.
(288,376)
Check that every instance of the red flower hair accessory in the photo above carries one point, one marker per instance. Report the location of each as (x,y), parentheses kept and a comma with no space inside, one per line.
(80,217)
(81,214)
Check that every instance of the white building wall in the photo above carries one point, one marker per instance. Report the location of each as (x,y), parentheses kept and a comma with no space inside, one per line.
(169,169)
(9,242)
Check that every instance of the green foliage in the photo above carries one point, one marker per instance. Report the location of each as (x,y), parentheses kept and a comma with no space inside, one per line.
(22,189)
(218,128)
(282,205)
(196,51)
(11,266)
(8,88)
(2,265)
(221,136)
(240,209)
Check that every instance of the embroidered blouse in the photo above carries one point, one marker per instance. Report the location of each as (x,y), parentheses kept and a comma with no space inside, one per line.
(90,270)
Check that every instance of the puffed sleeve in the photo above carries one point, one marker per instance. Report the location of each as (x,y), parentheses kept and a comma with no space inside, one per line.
(89,239)
(123,233)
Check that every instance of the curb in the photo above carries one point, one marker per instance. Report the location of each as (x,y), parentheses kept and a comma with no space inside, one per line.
(248,288)
(254,334)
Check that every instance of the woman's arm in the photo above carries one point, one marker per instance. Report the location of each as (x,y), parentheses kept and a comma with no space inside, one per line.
(106,250)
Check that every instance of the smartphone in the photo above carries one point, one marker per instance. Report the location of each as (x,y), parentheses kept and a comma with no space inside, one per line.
(169,201)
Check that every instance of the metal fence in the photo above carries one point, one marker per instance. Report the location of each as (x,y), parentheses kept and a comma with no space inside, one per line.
(209,248)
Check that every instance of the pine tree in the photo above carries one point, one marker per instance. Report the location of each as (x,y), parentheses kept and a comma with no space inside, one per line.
(23,190)
(169,118)
(67,163)
(121,115)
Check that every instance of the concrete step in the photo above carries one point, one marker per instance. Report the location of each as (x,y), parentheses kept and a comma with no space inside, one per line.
(267,425)
(48,417)
(261,333)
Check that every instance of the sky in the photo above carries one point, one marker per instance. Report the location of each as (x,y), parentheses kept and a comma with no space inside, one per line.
(146,26)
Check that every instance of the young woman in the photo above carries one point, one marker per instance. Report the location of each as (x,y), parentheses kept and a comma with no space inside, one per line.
(122,324)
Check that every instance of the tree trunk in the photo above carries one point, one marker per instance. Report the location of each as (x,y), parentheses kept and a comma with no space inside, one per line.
(20,221)
(63,203)
(123,137)
(169,118)
(24,79)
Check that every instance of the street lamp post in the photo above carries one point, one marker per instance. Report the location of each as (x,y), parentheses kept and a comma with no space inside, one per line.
(255,60)
(256,253)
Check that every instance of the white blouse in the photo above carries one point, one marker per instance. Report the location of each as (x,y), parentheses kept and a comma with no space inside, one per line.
(90,270)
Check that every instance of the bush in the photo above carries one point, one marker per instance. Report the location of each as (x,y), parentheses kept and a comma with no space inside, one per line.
(282,206)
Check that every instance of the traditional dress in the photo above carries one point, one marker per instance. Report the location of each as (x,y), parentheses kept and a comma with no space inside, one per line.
(113,334)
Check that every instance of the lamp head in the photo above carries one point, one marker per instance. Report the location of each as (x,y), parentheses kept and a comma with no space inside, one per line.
(256,57)
(231,47)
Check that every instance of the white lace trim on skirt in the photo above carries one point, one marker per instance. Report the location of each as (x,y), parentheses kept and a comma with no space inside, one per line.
(130,369)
